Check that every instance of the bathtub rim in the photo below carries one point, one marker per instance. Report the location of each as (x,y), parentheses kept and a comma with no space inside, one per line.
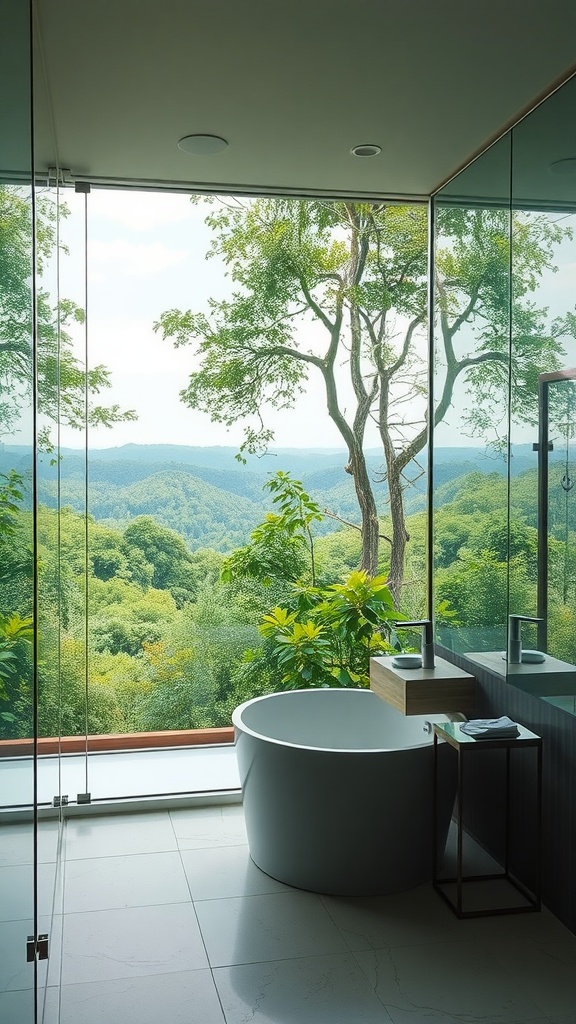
(241,726)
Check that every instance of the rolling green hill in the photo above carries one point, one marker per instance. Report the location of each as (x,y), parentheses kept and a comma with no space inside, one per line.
(206,516)
(214,501)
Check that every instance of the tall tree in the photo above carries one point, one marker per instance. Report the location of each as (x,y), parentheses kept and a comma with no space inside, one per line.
(338,289)
(62,380)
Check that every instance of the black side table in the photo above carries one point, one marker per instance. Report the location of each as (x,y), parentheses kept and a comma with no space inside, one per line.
(466,746)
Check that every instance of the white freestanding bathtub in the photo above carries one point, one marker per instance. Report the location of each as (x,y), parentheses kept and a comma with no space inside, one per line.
(338,790)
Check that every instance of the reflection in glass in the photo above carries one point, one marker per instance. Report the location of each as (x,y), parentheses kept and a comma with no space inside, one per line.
(542,497)
(471,383)
(504,465)
(557,515)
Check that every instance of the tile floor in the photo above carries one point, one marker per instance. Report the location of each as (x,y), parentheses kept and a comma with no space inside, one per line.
(164,918)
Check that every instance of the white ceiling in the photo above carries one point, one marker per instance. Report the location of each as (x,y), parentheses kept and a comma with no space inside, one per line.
(292,85)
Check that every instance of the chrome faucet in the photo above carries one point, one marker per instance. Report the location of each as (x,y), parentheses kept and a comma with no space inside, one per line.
(427,639)
(514,645)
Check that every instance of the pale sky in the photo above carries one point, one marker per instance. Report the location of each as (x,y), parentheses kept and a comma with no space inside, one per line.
(146,254)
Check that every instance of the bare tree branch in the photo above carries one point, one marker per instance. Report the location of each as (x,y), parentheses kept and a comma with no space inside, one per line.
(354,526)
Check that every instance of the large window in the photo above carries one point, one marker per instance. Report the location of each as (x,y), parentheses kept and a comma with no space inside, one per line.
(231,451)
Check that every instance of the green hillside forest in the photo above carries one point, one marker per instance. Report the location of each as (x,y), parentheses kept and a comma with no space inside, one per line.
(194,583)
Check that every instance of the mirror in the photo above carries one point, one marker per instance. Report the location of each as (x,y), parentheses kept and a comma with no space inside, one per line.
(504,490)
(472,227)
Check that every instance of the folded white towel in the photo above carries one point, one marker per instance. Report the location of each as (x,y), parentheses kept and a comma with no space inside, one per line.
(490,728)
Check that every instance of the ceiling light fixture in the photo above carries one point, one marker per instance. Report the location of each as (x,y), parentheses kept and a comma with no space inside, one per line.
(202,145)
(366,149)
(564,168)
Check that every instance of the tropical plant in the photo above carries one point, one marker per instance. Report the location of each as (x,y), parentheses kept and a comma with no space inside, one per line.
(329,634)
(16,640)
(282,546)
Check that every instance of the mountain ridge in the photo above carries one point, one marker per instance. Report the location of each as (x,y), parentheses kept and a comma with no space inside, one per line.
(212,500)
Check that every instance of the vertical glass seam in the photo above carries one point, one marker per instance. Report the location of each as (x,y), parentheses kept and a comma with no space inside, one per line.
(510,372)
(86,437)
(431,413)
(34,395)
(59,487)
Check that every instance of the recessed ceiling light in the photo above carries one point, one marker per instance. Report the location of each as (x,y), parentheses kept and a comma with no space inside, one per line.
(564,168)
(202,145)
(367,149)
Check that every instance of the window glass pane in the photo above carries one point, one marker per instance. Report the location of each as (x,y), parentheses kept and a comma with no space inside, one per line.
(471,380)
(542,494)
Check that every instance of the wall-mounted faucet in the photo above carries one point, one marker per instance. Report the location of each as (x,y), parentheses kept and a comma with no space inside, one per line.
(514,645)
(427,639)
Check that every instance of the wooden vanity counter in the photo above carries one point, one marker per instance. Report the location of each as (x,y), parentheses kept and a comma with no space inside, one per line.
(424,691)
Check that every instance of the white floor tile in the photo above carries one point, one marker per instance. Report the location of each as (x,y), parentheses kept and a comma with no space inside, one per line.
(537,929)
(406,918)
(108,883)
(116,835)
(447,982)
(15,972)
(135,942)
(56,931)
(546,973)
(226,871)
(315,990)
(17,1007)
(17,890)
(134,954)
(272,927)
(188,997)
(206,827)
(49,1005)
(17,847)
(486,895)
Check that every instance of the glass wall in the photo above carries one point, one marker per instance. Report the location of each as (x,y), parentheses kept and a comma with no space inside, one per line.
(471,384)
(504,558)
(154,578)
(22,879)
(62,539)
(543,406)
(151,583)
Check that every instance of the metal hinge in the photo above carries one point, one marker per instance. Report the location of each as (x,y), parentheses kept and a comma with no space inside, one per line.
(60,801)
(59,176)
(536,446)
(37,948)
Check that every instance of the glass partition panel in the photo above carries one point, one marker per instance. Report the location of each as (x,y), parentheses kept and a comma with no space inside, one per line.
(20,883)
(48,205)
(167,571)
(471,333)
(65,508)
(543,401)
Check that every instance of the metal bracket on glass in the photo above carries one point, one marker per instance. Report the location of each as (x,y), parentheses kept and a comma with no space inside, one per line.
(37,948)
(60,801)
(59,176)
(84,798)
